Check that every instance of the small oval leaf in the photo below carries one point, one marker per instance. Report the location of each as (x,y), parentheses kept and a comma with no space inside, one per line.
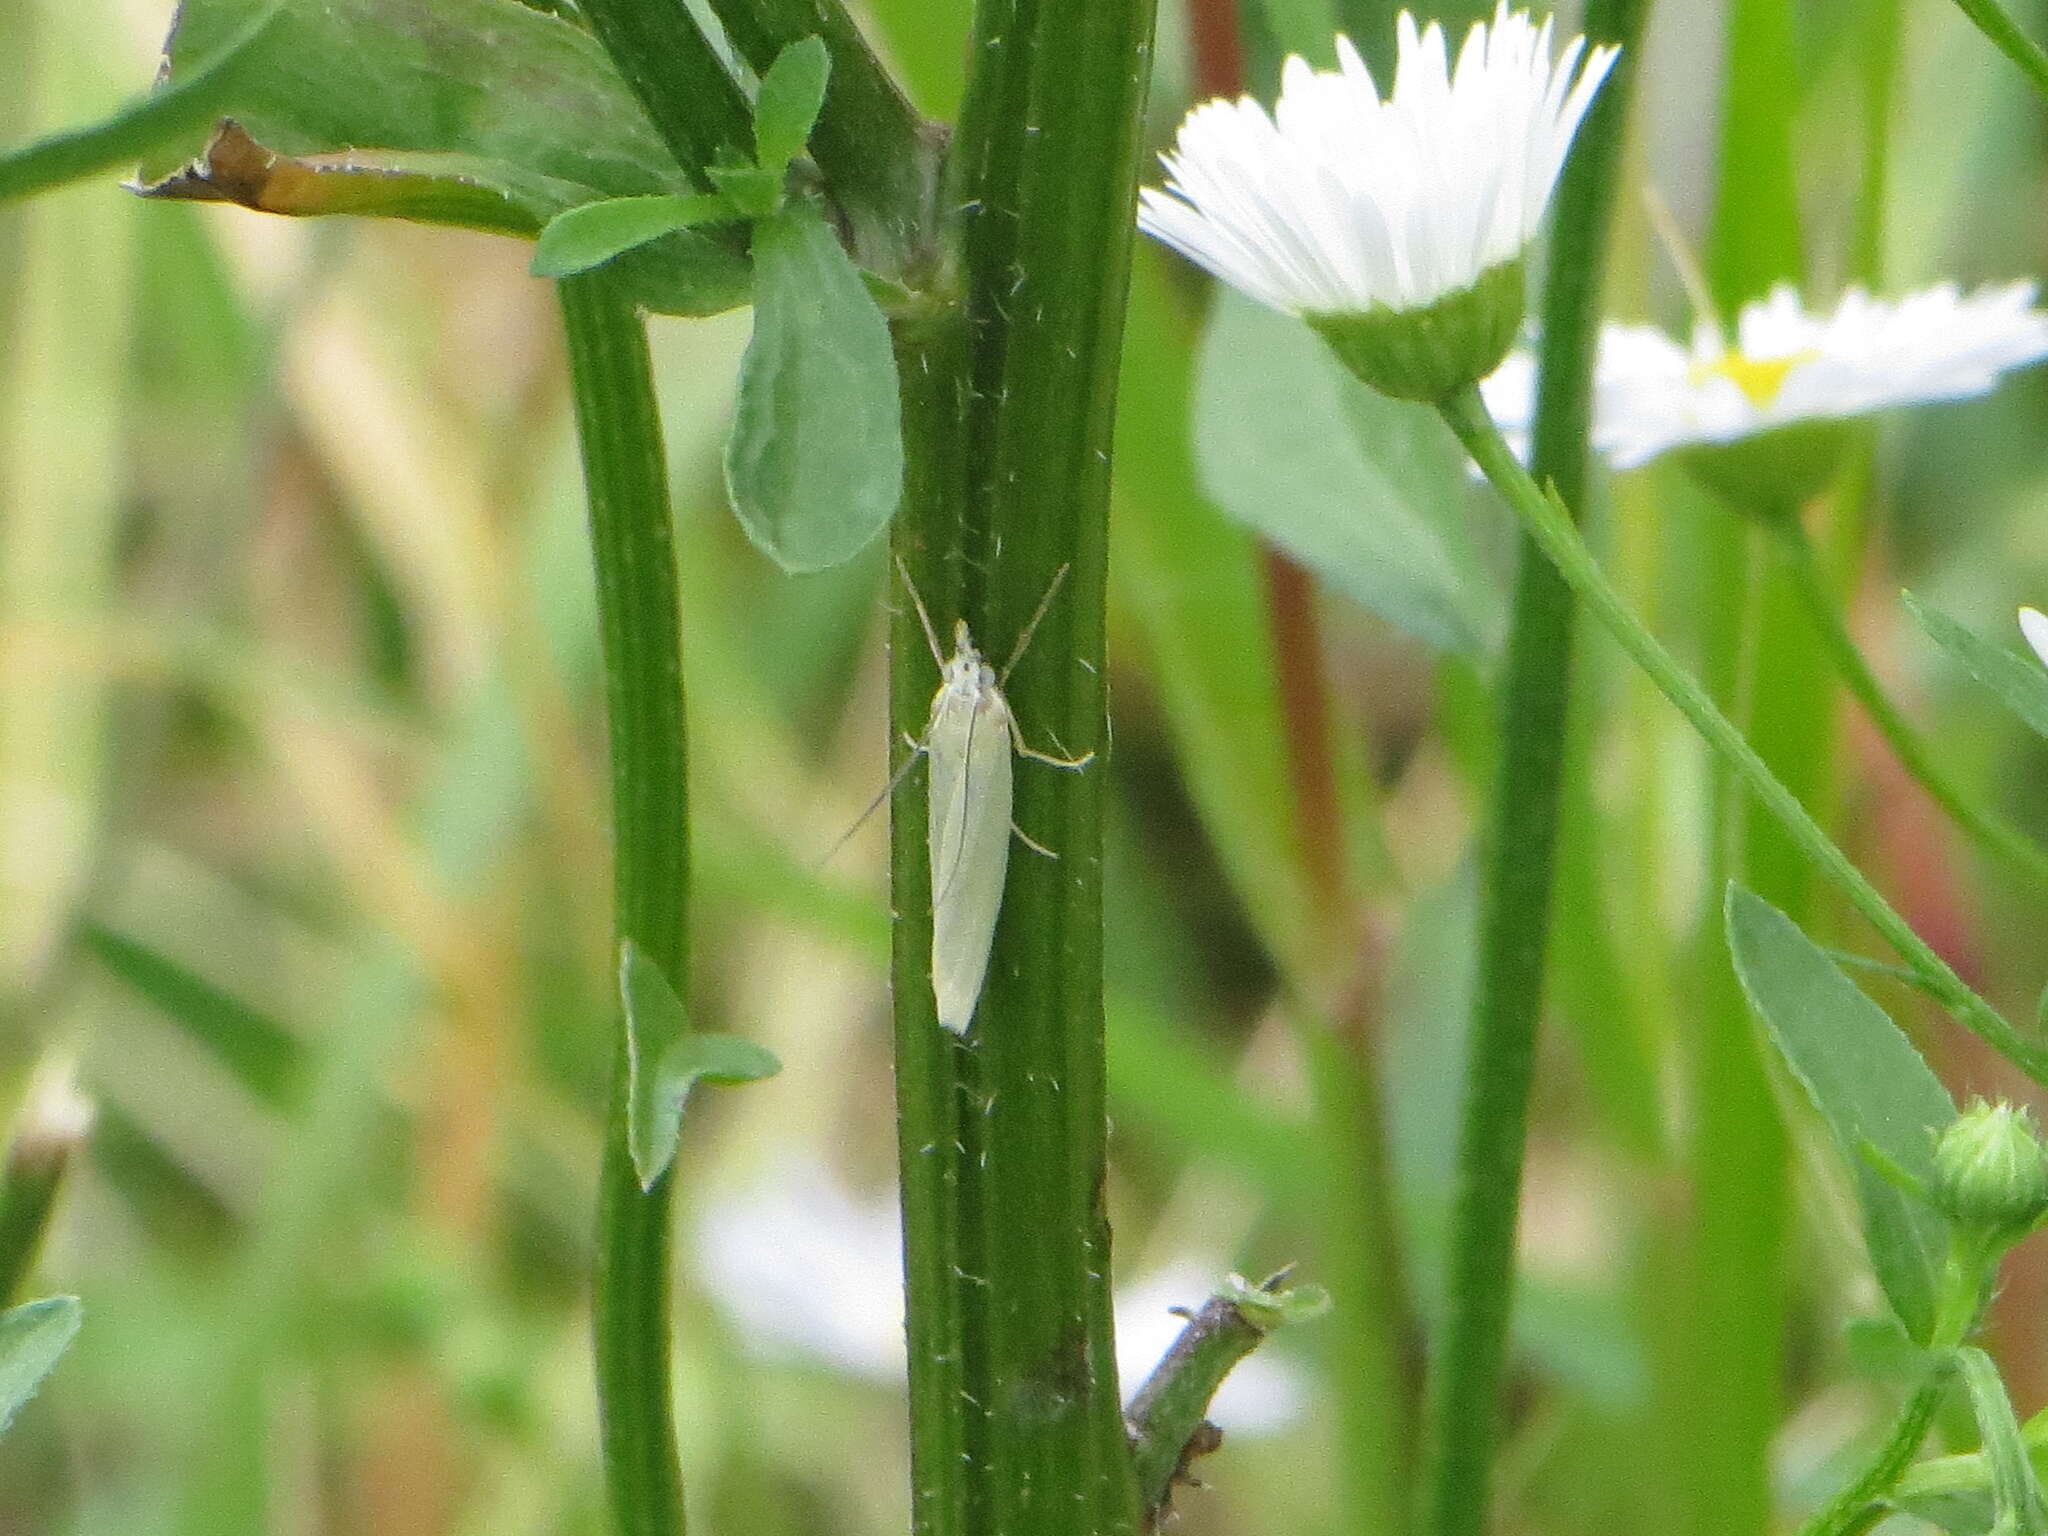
(590,235)
(792,95)
(665,1059)
(815,460)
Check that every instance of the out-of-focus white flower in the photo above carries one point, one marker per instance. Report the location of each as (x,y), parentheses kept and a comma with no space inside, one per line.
(2034,625)
(1786,367)
(807,1270)
(1339,202)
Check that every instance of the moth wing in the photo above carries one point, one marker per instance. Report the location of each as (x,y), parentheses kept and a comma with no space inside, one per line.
(969,847)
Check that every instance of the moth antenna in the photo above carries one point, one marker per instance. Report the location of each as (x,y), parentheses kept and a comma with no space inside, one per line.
(924,619)
(1059,578)
(874,805)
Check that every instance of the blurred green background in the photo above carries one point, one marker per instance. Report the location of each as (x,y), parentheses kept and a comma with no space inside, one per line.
(303,862)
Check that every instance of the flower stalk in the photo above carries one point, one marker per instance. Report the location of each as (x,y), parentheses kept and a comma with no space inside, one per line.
(1544,519)
(1463,1403)
(1991,832)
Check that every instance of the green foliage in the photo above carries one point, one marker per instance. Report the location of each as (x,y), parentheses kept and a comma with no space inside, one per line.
(175,110)
(2019,680)
(489,79)
(666,1059)
(792,95)
(1368,493)
(336,962)
(2016,1502)
(815,460)
(1868,1083)
(593,233)
(33,1336)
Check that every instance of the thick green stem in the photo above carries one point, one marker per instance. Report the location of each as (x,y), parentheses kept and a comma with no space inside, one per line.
(689,96)
(1462,1411)
(1546,520)
(1994,834)
(641,624)
(1017,1429)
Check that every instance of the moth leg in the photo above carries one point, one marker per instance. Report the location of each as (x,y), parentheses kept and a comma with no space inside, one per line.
(1031,842)
(1024,749)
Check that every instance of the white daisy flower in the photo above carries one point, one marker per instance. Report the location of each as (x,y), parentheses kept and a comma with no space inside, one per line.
(1340,204)
(1788,368)
(2034,625)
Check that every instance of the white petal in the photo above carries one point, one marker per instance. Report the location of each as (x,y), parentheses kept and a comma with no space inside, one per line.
(2034,625)
(1653,395)
(1341,202)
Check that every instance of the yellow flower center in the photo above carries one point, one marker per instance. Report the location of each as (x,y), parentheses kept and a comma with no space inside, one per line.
(1760,378)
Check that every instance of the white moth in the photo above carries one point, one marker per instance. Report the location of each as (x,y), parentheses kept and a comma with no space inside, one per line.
(969,740)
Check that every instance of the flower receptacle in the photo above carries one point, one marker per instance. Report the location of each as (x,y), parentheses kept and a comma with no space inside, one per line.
(1431,352)
(1772,473)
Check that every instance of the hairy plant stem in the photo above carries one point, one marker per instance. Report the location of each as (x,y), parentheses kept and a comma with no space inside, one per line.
(1545,519)
(1991,832)
(1009,396)
(1462,1407)
(1860,1503)
(641,623)
(1848,1512)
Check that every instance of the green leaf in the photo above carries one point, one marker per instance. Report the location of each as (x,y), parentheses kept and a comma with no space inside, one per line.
(815,460)
(1371,494)
(1879,1347)
(2017,1504)
(594,233)
(2021,681)
(1868,1083)
(754,191)
(792,95)
(32,1337)
(666,1059)
(174,111)
(685,274)
(489,79)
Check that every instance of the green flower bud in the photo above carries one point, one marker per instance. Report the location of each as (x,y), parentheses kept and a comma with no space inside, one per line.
(1990,1171)
(1431,353)
(1773,473)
